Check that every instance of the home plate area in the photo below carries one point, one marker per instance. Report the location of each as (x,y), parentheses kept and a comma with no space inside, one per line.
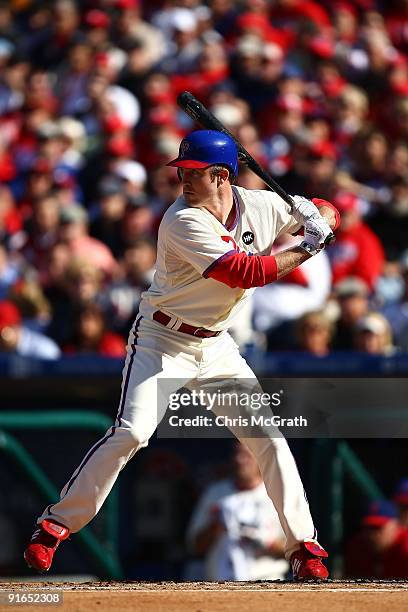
(333,595)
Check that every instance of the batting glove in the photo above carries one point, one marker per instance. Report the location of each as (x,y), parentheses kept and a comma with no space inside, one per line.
(304,209)
(317,232)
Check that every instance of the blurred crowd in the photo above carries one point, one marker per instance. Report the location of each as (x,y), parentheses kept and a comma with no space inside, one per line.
(379,549)
(316,91)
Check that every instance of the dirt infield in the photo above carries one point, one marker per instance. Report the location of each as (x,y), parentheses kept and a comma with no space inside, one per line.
(335,596)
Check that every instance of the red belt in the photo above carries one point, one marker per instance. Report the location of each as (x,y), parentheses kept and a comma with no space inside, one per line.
(184,328)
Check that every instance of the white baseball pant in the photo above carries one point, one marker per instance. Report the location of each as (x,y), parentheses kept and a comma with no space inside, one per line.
(157,352)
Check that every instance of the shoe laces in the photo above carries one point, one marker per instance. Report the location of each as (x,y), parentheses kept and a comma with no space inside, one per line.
(40,536)
(314,562)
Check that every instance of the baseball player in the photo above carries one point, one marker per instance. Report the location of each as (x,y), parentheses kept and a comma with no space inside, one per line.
(213,250)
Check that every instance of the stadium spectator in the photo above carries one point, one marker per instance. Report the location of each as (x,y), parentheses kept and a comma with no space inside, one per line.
(357,251)
(10,220)
(96,25)
(74,233)
(138,220)
(184,46)
(235,528)
(373,335)
(15,337)
(133,176)
(55,283)
(349,114)
(400,498)
(107,214)
(397,312)
(120,299)
(90,334)
(390,221)
(10,272)
(314,332)
(64,31)
(38,183)
(212,69)
(380,548)
(73,79)
(129,25)
(390,285)
(28,296)
(74,284)
(41,232)
(352,298)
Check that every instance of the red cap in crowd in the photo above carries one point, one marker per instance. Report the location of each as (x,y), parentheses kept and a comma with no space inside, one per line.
(346,202)
(42,166)
(9,314)
(97,19)
(346,7)
(333,87)
(125,5)
(161,116)
(290,102)
(324,148)
(322,46)
(120,147)
(379,513)
(113,124)
(253,21)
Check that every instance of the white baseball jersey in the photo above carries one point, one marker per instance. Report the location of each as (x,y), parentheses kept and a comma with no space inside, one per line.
(191,240)
(249,513)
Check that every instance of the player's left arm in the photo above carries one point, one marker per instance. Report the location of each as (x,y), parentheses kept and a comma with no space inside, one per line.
(327,215)
(244,271)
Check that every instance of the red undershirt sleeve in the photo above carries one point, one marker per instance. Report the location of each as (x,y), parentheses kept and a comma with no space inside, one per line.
(244,271)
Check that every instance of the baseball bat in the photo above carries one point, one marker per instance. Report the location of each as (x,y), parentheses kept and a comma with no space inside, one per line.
(197,111)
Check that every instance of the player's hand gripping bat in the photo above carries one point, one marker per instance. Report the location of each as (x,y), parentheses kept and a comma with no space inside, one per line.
(197,111)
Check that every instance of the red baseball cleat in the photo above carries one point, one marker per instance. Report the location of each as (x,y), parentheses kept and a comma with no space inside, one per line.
(43,544)
(306,562)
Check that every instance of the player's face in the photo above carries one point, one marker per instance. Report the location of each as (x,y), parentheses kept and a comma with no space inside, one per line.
(199,186)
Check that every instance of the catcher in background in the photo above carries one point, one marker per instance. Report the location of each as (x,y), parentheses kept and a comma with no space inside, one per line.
(213,249)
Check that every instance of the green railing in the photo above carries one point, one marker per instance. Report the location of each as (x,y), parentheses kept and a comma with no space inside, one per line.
(332,460)
(104,555)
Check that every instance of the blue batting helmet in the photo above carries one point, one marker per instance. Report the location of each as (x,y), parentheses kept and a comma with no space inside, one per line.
(205,148)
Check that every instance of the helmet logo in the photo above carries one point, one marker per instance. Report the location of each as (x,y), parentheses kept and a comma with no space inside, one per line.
(184,147)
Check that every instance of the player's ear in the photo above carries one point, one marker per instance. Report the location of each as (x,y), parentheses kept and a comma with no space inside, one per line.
(222,176)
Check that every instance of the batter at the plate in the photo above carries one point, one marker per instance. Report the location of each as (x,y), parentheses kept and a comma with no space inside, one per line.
(213,250)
